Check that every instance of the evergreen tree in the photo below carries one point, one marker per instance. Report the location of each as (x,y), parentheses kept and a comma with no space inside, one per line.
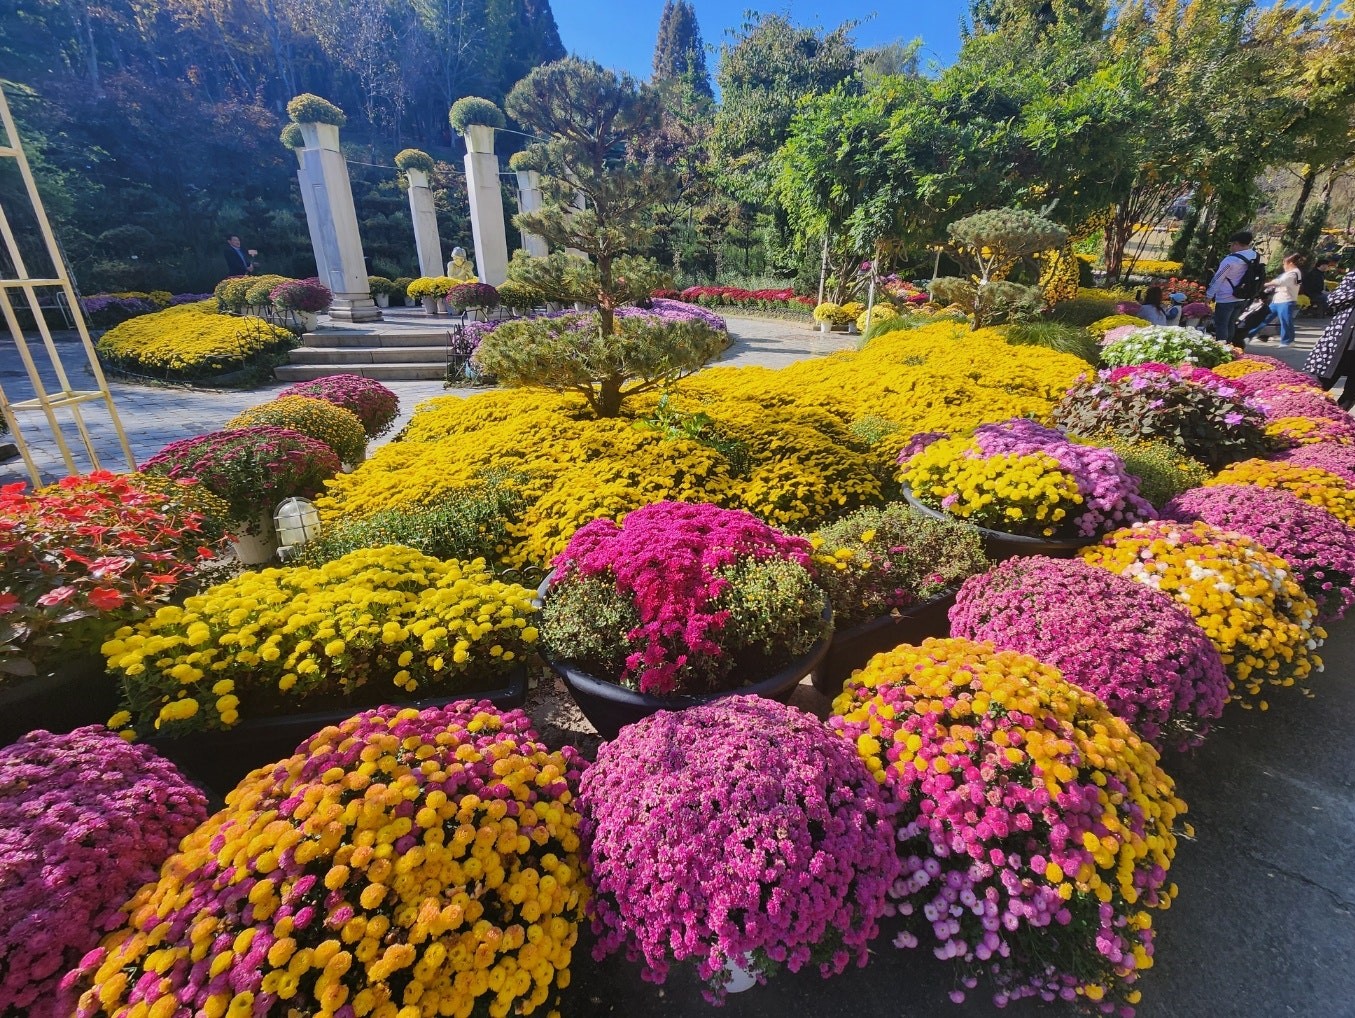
(679,52)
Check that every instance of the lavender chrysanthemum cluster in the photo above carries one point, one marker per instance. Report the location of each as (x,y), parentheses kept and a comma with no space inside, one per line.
(1318,546)
(1292,401)
(1125,642)
(85,820)
(738,833)
(1110,493)
(1338,459)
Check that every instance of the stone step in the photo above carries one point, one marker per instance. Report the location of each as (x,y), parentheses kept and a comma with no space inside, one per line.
(369,355)
(382,372)
(345,338)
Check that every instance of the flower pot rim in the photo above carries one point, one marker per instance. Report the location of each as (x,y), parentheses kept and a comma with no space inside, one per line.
(896,615)
(608,690)
(1001,535)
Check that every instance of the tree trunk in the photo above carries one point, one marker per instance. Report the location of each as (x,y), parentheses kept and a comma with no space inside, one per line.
(1291,231)
(607,403)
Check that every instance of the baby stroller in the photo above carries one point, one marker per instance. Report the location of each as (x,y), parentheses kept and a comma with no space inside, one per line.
(1255,315)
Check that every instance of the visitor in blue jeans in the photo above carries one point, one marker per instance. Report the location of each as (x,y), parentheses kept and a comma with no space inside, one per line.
(1284,302)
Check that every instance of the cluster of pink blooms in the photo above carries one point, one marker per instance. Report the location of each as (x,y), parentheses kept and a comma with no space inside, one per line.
(1318,547)
(1295,402)
(667,559)
(1337,459)
(740,833)
(376,406)
(1123,641)
(1110,493)
(1225,387)
(85,819)
(1258,381)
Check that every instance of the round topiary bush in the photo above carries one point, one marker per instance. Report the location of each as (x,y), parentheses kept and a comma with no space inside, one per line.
(414,159)
(376,406)
(338,428)
(291,136)
(526,161)
(308,108)
(402,863)
(472,111)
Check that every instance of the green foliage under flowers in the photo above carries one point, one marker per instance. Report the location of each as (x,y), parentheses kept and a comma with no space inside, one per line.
(379,284)
(905,321)
(697,427)
(990,303)
(472,111)
(1167,344)
(291,136)
(414,159)
(400,287)
(308,108)
(466,524)
(259,292)
(526,160)
(516,294)
(1055,336)
(775,615)
(876,560)
(1163,472)
(571,354)
(1087,307)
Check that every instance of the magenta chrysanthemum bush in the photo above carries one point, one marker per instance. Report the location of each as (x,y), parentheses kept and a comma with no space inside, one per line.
(1259,381)
(85,820)
(671,561)
(1035,828)
(1329,456)
(1124,642)
(1318,546)
(375,406)
(1292,401)
(737,833)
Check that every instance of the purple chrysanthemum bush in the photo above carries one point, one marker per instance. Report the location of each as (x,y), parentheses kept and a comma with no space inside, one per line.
(741,833)
(376,406)
(1318,547)
(1035,829)
(1122,641)
(1329,456)
(85,820)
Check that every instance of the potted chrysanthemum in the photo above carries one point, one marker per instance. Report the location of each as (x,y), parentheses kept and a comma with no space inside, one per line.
(891,574)
(678,605)
(1030,489)
(737,838)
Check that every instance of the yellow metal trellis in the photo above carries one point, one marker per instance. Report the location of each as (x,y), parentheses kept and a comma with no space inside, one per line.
(67,397)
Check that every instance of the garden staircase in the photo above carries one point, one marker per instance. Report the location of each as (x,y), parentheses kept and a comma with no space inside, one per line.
(392,353)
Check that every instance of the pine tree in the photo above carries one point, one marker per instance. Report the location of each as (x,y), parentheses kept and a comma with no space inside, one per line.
(679,51)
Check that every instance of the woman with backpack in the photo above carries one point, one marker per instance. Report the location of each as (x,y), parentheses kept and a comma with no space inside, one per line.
(1236,282)
(1333,357)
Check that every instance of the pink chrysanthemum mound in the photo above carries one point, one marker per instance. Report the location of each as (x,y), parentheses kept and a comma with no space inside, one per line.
(375,406)
(85,819)
(1329,456)
(737,833)
(1318,547)
(1125,642)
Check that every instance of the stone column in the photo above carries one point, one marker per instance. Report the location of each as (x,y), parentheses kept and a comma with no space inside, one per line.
(529,200)
(486,205)
(338,252)
(425,219)
(312,218)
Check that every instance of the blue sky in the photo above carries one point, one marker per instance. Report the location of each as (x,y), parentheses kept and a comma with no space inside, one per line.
(620,33)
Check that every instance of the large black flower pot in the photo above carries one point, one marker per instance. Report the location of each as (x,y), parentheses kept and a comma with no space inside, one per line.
(852,648)
(219,759)
(1001,546)
(609,706)
(78,693)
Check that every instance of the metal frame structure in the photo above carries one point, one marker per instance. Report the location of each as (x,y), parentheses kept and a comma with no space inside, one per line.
(67,397)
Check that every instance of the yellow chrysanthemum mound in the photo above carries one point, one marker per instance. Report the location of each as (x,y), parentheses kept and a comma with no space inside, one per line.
(797,464)
(1103,325)
(401,864)
(1241,368)
(1020,792)
(1312,484)
(1245,598)
(349,630)
(336,426)
(190,341)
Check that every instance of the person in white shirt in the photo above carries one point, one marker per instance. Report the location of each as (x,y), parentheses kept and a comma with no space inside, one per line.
(1284,300)
(1151,309)
(1228,306)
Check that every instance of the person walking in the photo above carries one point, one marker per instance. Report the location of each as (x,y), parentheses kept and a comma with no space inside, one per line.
(1236,282)
(1333,356)
(239,262)
(1284,300)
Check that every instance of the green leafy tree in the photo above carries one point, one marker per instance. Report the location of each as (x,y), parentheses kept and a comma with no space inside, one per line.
(679,53)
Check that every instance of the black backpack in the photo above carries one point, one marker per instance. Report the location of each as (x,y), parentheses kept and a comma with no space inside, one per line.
(1253,279)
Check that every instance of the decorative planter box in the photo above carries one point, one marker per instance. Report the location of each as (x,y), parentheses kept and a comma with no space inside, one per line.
(80,692)
(1001,546)
(852,648)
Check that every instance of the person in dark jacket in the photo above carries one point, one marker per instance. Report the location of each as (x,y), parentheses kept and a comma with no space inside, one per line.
(1334,354)
(239,262)
(1314,287)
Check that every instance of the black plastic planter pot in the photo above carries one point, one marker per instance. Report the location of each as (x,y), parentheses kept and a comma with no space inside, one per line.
(1001,546)
(609,707)
(78,693)
(219,759)
(852,648)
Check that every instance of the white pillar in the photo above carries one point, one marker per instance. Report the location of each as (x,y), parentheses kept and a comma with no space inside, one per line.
(312,218)
(425,219)
(529,200)
(339,247)
(486,205)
